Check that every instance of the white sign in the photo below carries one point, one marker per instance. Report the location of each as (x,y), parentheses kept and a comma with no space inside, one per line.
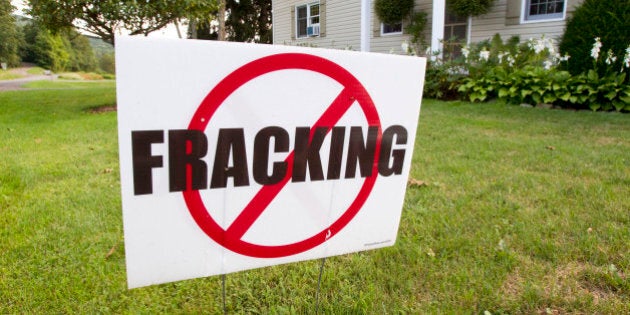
(239,156)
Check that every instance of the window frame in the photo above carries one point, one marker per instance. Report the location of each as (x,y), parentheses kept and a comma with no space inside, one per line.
(383,33)
(309,19)
(541,18)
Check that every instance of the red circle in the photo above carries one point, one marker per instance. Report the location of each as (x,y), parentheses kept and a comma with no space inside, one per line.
(223,90)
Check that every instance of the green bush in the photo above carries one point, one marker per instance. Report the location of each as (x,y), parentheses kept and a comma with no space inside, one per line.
(529,73)
(607,19)
(393,11)
(443,79)
(470,7)
(531,85)
(107,63)
(536,85)
(609,92)
(417,26)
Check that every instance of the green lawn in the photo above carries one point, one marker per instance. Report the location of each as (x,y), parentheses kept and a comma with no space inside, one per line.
(523,211)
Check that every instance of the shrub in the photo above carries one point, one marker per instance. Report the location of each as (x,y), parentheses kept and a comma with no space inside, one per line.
(442,79)
(470,7)
(607,93)
(607,19)
(393,11)
(107,63)
(529,73)
(417,25)
(531,85)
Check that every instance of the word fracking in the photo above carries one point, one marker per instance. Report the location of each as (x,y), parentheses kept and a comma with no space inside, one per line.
(187,149)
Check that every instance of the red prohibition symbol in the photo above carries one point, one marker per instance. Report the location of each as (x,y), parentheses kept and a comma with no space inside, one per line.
(353,91)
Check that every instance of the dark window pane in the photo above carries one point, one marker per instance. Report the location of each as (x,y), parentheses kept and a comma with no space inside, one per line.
(301,27)
(544,7)
(459,31)
(392,28)
(301,12)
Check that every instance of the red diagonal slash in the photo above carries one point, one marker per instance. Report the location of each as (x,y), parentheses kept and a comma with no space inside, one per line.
(352,92)
(266,194)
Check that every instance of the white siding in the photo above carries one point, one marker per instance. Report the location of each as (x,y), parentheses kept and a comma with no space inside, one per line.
(485,26)
(342,25)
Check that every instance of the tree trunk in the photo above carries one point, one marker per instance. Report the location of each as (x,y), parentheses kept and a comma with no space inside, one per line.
(193,29)
(179,33)
(222,34)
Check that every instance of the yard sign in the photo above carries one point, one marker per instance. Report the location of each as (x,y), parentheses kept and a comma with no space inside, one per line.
(239,156)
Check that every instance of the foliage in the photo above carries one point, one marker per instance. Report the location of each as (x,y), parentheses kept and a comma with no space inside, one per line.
(249,21)
(531,85)
(107,63)
(607,19)
(609,92)
(470,7)
(106,18)
(60,51)
(536,85)
(417,26)
(30,30)
(393,11)
(528,73)
(82,56)
(204,30)
(9,36)
(50,51)
(442,79)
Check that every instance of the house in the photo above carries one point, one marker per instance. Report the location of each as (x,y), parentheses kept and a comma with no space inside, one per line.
(338,23)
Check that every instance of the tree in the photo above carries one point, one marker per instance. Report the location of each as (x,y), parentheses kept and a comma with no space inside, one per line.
(50,51)
(249,21)
(9,36)
(64,50)
(82,56)
(246,21)
(106,18)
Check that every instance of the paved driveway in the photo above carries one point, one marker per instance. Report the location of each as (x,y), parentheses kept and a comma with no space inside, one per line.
(16,84)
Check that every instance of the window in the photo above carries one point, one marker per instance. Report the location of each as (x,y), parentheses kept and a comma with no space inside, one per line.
(391,29)
(536,10)
(307,20)
(455,34)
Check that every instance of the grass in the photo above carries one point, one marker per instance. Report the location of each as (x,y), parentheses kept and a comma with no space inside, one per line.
(523,211)
(64,85)
(80,76)
(36,70)
(8,75)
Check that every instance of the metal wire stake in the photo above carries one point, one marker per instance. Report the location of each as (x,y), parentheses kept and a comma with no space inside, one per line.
(319,282)
(223,291)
